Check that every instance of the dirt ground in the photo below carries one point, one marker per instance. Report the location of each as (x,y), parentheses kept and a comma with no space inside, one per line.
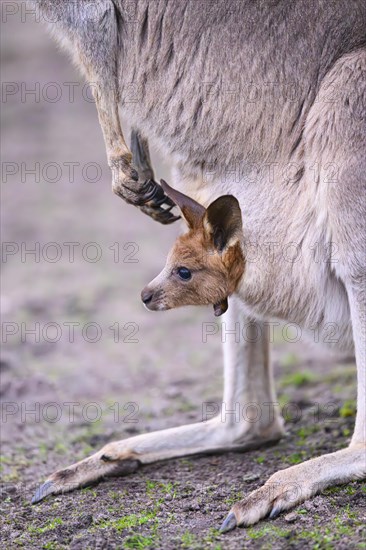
(83,363)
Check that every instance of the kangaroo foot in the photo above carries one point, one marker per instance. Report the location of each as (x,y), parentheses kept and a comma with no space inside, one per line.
(124,457)
(287,488)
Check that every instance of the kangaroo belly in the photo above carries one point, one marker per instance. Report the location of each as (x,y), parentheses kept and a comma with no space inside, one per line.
(318,309)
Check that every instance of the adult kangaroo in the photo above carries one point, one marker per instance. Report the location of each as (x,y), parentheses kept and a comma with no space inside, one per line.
(263,100)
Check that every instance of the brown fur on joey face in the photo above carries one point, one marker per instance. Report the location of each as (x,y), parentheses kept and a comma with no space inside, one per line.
(205,264)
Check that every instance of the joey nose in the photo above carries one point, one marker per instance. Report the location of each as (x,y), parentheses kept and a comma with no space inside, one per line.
(146,296)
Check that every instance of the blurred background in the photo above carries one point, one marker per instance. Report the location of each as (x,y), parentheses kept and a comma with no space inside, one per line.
(76,339)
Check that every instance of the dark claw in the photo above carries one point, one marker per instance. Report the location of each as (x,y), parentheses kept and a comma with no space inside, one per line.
(150,198)
(159,214)
(141,194)
(43,491)
(276,510)
(151,191)
(229,524)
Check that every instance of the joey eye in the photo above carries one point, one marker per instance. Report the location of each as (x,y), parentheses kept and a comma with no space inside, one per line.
(184,273)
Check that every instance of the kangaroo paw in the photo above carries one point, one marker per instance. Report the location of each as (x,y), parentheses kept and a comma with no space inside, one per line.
(148,195)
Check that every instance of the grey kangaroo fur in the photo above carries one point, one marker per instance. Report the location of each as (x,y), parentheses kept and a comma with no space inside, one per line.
(263,100)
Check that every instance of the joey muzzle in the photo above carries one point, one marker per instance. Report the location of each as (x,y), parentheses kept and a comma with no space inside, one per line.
(221,307)
(146,296)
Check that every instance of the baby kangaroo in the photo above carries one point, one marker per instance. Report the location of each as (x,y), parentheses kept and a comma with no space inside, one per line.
(206,264)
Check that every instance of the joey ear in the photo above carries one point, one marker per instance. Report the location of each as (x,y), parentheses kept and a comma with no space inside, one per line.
(192,211)
(223,221)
